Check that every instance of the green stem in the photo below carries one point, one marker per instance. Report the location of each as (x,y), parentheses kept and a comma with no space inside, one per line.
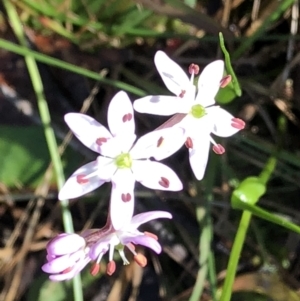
(212,273)
(46,120)
(235,255)
(204,251)
(206,256)
(268,170)
(241,233)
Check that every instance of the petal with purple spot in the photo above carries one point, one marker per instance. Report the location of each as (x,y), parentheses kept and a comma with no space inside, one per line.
(156,175)
(122,198)
(87,130)
(120,116)
(82,181)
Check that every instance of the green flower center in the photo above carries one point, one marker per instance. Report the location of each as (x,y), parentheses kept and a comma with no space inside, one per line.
(123,161)
(198,111)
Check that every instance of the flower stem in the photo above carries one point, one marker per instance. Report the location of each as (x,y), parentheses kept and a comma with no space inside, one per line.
(46,120)
(206,256)
(235,255)
(241,234)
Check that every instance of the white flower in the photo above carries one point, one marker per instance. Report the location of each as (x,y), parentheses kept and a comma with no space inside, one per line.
(121,162)
(68,254)
(202,117)
(107,240)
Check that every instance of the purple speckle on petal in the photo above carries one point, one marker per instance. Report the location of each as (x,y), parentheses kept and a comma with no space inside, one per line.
(164,182)
(127,117)
(126,197)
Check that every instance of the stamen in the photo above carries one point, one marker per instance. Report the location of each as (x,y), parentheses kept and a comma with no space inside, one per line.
(151,235)
(140,259)
(225,81)
(101,140)
(95,269)
(164,182)
(126,197)
(194,69)
(182,93)
(189,142)
(159,142)
(111,268)
(130,246)
(219,149)
(127,117)
(122,255)
(238,123)
(81,179)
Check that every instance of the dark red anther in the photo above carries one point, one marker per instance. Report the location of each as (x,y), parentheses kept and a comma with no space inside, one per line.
(140,259)
(101,140)
(225,81)
(127,117)
(164,182)
(219,149)
(95,269)
(189,142)
(126,197)
(194,69)
(81,179)
(238,123)
(111,268)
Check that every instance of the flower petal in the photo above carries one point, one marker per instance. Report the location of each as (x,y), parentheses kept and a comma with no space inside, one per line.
(122,198)
(73,272)
(142,218)
(159,144)
(82,181)
(124,143)
(88,130)
(65,243)
(57,265)
(120,116)
(198,154)
(161,105)
(156,175)
(209,83)
(171,73)
(100,247)
(143,240)
(106,168)
(222,122)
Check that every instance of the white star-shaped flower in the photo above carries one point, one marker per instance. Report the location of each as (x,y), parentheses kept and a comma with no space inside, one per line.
(121,161)
(201,117)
